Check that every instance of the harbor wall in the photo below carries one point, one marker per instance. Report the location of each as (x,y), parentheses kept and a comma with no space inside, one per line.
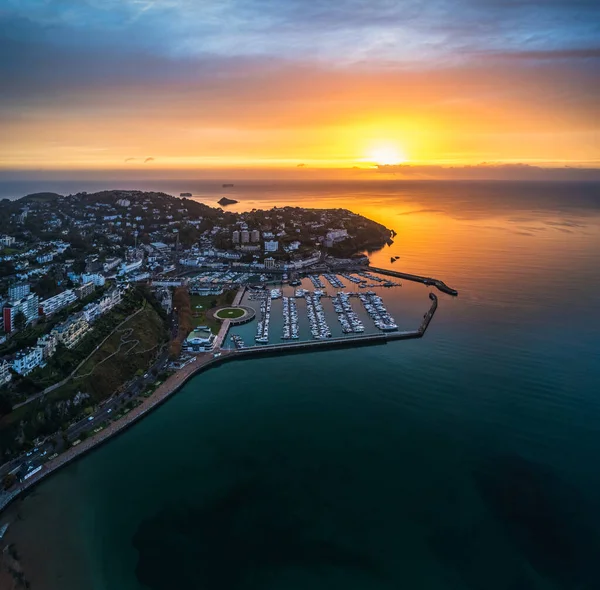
(419,279)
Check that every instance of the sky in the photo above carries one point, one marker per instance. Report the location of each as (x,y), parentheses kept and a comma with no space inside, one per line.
(300,87)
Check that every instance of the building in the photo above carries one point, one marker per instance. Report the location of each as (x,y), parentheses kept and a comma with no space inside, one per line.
(337,235)
(29,306)
(245,236)
(53,304)
(27,360)
(71,331)
(200,340)
(43,258)
(18,291)
(85,290)
(124,202)
(235,237)
(111,263)
(47,343)
(7,241)
(271,246)
(127,268)
(91,312)
(255,236)
(95,278)
(5,374)
(269,262)
(109,300)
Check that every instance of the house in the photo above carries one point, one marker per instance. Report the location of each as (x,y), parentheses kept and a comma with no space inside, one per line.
(25,361)
(47,343)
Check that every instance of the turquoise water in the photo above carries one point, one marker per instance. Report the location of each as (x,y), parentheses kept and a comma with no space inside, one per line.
(464,460)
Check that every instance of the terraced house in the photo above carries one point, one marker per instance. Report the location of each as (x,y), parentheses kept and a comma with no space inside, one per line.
(71,331)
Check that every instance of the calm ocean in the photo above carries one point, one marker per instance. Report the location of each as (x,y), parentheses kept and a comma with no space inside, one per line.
(467,460)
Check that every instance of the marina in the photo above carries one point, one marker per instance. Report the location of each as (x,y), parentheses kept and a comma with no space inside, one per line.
(316,316)
(346,315)
(287,314)
(262,327)
(379,314)
(290,319)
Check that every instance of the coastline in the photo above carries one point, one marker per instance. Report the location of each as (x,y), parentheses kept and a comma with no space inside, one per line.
(203,362)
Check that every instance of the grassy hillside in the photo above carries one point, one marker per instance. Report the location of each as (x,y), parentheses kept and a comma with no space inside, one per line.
(128,351)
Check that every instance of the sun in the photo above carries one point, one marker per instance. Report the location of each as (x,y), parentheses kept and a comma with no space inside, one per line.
(386,155)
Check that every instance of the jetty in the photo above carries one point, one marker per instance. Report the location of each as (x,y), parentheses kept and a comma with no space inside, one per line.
(418,279)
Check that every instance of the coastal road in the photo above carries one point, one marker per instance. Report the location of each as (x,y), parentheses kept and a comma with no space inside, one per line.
(55,444)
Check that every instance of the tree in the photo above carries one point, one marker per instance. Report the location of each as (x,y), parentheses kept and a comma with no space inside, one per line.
(20,320)
(5,405)
(8,481)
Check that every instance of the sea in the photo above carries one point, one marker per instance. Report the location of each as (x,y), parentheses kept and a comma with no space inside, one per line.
(465,460)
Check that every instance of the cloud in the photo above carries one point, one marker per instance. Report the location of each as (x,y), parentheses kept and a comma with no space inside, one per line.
(129,159)
(148,160)
(550,54)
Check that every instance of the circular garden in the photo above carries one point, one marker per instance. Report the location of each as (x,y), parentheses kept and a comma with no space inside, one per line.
(230,313)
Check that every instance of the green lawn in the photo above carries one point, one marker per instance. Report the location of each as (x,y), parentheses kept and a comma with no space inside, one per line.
(230,313)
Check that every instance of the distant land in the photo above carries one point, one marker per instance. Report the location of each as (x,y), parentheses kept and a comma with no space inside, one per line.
(224,201)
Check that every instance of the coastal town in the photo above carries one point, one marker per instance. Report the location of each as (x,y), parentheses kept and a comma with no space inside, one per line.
(111,301)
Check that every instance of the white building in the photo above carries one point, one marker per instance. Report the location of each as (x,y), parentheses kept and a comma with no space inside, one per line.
(5,375)
(337,235)
(18,291)
(127,268)
(110,300)
(95,278)
(271,246)
(235,237)
(269,262)
(111,263)
(255,236)
(124,202)
(245,236)
(7,241)
(53,304)
(43,258)
(27,360)
(91,312)
(313,259)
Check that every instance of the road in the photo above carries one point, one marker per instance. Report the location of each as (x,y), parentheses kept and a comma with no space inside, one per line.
(55,444)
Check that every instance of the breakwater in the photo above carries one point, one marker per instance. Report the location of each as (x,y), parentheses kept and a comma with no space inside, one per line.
(418,279)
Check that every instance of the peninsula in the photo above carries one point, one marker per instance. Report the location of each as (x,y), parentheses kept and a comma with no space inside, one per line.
(224,201)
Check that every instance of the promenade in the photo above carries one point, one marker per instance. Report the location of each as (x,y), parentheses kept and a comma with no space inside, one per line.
(162,393)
